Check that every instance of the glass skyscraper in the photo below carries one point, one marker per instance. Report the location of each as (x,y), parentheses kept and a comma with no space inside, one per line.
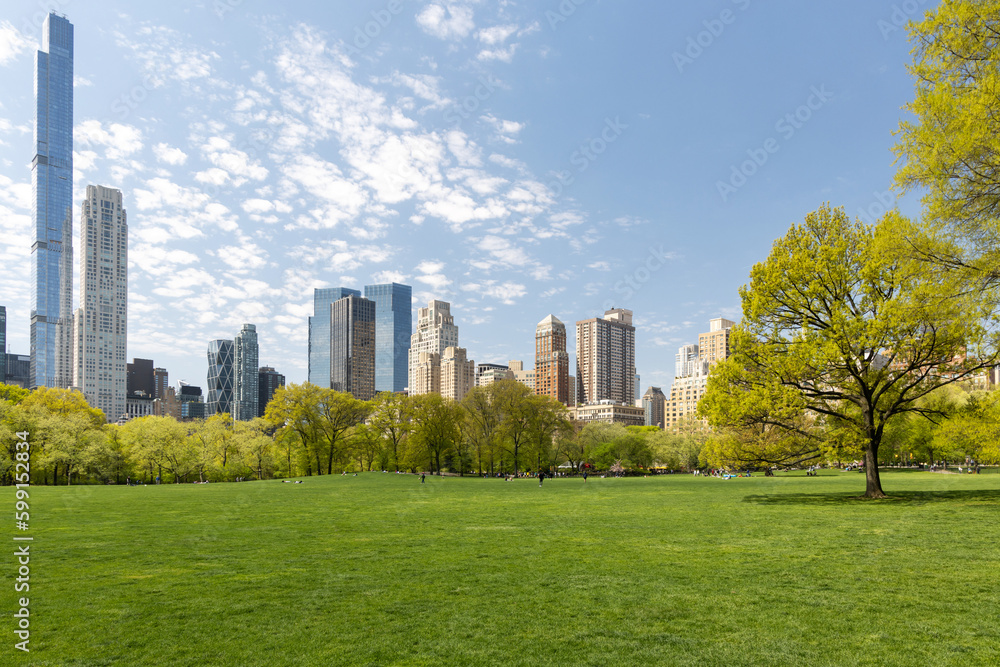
(221,369)
(52,209)
(393,328)
(319,332)
(3,344)
(246,353)
(352,347)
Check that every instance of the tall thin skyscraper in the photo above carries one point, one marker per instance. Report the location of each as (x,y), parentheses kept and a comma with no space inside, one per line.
(52,209)
(393,328)
(319,332)
(101,324)
(605,358)
(436,331)
(220,377)
(551,360)
(245,387)
(268,381)
(3,344)
(352,347)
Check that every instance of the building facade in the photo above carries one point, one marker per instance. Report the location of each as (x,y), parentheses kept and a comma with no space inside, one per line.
(393,328)
(609,412)
(268,381)
(458,373)
(352,347)
(525,377)
(191,404)
(436,331)
(101,323)
(551,360)
(654,403)
(246,355)
(161,381)
(319,332)
(52,210)
(221,372)
(605,359)
(713,346)
(140,377)
(19,370)
(495,373)
(3,344)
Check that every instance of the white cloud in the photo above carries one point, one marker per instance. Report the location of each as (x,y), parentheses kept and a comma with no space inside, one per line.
(497,34)
(12,43)
(504,251)
(234,161)
(446,21)
(119,140)
(170,155)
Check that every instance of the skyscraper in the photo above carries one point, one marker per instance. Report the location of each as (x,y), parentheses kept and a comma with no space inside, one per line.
(393,328)
(221,369)
(52,209)
(458,373)
(654,402)
(101,324)
(161,381)
(551,360)
(140,377)
(714,345)
(268,381)
(319,333)
(245,357)
(605,358)
(352,346)
(435,332)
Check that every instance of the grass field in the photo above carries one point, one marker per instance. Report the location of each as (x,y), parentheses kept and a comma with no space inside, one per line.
(382,570)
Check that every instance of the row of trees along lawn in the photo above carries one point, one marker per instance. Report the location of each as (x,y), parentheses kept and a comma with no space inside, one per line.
(308,430)
(851,333)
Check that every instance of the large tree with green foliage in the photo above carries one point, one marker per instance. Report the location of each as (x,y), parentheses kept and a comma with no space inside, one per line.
(838,324)
(951,149)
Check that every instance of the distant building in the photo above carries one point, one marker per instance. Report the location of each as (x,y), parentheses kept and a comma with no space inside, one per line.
(352,347)
(161,380)
(458,373)
(654,404)
(686,360)
(268,381)
(609,412)
(100,327)
(191,404)
(139,376)
(19,370)
(137,405)
(167,404)
(551,360)
(713,346)
(246,354)
(393,328)
(436,331)
(525,377)
(483,369)
(319,332)
(605,359)
(221,371)
(572,390)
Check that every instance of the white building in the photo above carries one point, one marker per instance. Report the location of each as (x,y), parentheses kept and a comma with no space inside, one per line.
(100,324)
(436,332)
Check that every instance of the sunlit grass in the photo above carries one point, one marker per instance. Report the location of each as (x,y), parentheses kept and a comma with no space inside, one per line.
(380,569)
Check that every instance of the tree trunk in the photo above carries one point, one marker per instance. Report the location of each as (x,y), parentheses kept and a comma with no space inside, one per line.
(873,485)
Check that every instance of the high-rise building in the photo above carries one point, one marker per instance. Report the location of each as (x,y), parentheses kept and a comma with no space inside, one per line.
(191,404)
(101,323)
(52,209)
(167,404)
(525,377)
(246,354)
(654,403)
(551,360)
(687,362)
(352,347)
(605,359)
(458,373)
(638,392)
(140,377)
(319,332)
(393,328)
(3,344)
(161,381)
(714,345)
(19,370)
(436,331)
(268,381)
(221,369)
(493,371)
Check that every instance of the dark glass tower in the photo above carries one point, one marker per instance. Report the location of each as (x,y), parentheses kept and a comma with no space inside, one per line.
(52,209)
(3,344)
(319,332)
(221,372)
(393,328)
(352,347)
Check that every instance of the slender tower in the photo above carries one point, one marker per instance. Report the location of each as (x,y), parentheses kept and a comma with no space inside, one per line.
(52,209)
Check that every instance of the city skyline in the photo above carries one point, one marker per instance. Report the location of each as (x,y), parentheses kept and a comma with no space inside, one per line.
(484,155)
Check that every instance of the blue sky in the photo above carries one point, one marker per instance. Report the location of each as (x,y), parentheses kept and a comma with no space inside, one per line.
(514,158)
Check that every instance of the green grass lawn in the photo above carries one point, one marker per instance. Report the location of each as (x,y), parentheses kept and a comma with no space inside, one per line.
(382,570)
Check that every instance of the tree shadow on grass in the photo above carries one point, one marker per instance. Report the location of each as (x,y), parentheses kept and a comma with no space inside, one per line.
(894,498)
